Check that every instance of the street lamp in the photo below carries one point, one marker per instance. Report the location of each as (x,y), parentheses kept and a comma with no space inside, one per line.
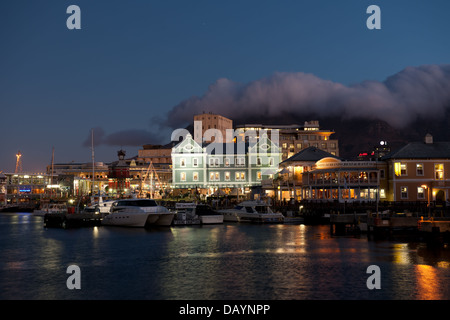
(428,198)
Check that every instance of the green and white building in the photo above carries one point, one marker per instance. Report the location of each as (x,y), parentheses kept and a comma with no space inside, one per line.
(224,166)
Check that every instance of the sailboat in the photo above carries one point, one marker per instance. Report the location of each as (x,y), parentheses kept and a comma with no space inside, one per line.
(97,204)
(51,206)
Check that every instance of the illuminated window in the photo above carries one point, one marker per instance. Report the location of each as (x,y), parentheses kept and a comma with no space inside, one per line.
(400,169)
(227,162)
(195,176)
(404,192)
(419,169)
(214,176)
(183,176)
(240,176)
(227,176)
(420,193)
(258,175)
(439,171)
(382,194)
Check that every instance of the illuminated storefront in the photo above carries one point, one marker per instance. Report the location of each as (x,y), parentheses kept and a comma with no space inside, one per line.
(334,180)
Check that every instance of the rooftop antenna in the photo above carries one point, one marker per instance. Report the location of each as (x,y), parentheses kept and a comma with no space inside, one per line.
(18,162)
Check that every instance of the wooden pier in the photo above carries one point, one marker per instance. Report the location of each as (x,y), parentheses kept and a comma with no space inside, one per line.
(71,220)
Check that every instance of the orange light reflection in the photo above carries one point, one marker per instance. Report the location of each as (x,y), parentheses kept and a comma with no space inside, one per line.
(427,282)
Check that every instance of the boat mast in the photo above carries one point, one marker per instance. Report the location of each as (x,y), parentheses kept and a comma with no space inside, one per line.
(51,177)
(93,158)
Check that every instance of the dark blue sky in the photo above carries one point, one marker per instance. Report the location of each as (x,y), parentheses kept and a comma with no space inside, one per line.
(134,61)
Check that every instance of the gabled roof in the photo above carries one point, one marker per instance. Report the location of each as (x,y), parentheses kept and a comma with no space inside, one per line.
(421,150)
(310,154)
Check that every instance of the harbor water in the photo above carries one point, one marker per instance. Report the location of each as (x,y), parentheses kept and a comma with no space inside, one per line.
(217,262)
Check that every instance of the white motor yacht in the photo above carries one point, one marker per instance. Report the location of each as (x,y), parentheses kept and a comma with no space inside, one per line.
(192,213)
(137,213)
(254,211)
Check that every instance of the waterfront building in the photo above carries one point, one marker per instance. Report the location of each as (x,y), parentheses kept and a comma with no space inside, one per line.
(119,175)
(156,154)
(76,178)
(419,171)
(154,167)
(294,138)
(223,168)
(28,188)
(206,121)
(335,180)
(2,189)
(290,180)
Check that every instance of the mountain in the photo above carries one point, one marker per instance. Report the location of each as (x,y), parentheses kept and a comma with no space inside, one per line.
(362,135)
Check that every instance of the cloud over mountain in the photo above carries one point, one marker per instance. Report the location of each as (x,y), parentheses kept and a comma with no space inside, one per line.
(414,92)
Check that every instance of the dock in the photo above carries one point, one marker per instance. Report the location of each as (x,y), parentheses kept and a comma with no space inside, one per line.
(384,226)
(348,224)
(71,220)
(433,231)
(436,232)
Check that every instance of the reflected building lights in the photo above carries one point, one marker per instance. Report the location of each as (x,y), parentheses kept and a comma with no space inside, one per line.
(427,283)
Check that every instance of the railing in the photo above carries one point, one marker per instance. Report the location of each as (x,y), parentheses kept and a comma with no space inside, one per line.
(342,182)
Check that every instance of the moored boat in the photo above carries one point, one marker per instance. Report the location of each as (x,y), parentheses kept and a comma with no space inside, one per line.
(51,208)
(137,213)
(192,213)
(254,211)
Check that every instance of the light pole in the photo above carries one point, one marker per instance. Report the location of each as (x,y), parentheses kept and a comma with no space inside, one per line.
(428,197)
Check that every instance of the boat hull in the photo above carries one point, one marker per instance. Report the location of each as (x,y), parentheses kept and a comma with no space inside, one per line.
(230,217)
(211,219)
(262,218)
(125,219)
(160,219)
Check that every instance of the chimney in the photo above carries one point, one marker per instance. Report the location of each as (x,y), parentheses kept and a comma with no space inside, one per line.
(428,139)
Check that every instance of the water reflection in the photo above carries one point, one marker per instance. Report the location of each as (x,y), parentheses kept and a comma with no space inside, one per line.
(428,286)
(229,261)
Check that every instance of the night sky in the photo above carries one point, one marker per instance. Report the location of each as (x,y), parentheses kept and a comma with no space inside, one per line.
(139,69)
